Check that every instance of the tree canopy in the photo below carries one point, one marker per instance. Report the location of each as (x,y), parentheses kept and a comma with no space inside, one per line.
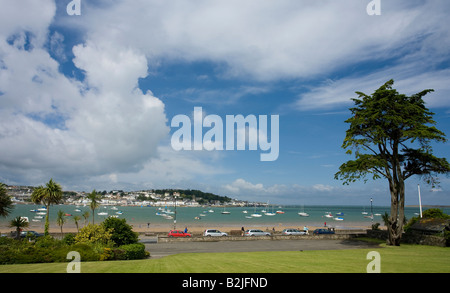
(390,135)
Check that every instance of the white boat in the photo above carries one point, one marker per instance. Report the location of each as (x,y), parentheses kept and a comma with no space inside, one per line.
(364,212)
(35,220)
(279,212)
(244,212)
(77,210)
(302,213)
(329,215)
(119,212)
(114,208)
(271,213)
(256,215)
(225,212)
(211,211)
(339,219)
(102,214)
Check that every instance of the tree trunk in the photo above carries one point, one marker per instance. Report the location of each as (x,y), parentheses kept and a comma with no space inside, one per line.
(397,216)
(46,220)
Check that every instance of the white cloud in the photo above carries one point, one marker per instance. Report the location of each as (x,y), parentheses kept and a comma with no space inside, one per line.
(337,93)
(269,40)
(322,187)
(53,126)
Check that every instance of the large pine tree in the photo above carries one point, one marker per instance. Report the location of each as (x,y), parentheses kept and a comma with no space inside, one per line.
(390,135)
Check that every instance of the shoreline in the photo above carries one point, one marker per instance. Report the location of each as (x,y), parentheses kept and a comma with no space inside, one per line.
(197,228)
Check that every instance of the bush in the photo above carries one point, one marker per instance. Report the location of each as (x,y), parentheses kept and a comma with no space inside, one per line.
(134,251)
(122,233)
(69,239)
(93,234)
(86,250)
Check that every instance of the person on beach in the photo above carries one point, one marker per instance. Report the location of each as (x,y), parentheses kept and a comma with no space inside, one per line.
(185,229)
(242,231)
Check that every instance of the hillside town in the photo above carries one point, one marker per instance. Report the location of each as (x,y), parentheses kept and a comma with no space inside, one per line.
(153,197)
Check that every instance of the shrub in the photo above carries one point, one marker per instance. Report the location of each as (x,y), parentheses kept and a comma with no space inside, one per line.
(86,251)
(93,234)
(122,233)
(69,239)
(134,251)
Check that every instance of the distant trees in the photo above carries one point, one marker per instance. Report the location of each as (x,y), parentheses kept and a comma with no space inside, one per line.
(390,135)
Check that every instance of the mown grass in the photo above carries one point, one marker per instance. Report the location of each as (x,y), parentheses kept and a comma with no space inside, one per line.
(403,259)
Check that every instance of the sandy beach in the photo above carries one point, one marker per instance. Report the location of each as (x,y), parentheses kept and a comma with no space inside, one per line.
(195,229)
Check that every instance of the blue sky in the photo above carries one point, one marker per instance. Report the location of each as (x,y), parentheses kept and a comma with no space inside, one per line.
(88,99)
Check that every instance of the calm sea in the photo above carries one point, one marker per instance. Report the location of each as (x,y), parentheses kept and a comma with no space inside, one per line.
(212,216)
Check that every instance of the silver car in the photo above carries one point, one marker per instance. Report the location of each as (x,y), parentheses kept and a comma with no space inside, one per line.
(256,232)
(293,232)
(213,232)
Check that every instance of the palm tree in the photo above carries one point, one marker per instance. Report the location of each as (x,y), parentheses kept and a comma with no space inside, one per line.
(76,218)
(48,195)
(85,216)
(18,223)
(60,220)
(95,198)
(6,204)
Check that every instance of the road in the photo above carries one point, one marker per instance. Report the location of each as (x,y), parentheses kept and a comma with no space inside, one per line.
(163,249)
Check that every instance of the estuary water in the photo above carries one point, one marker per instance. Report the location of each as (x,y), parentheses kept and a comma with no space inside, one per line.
(145,216)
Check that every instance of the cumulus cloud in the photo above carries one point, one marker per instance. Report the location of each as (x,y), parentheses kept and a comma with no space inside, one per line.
(270,40)
(53,126)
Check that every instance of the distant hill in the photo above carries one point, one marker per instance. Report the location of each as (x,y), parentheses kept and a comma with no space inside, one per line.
(193,194)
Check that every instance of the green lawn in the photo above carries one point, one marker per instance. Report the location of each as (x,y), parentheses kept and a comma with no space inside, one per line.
(403,259)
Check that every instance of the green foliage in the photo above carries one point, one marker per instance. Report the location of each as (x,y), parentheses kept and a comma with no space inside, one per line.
(93,242)
(134,251)
(48,195)
(93,234)
(390,135)
(433,213)
(6,204)
(69,239)
(122,233)
(380,127)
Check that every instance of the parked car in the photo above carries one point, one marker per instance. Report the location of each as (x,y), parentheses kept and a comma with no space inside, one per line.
(323,231)
(293,232)
(256,232)
(24,234)
(178,233)
(213,232)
